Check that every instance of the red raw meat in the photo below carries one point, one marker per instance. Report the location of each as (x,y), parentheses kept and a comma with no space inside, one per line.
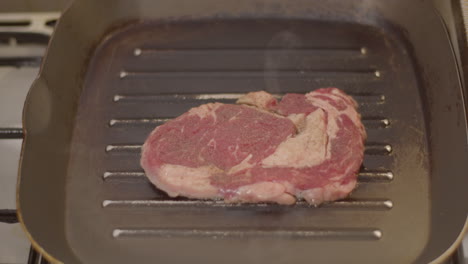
(306,146)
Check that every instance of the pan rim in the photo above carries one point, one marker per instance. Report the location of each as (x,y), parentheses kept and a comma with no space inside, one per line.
(54,260)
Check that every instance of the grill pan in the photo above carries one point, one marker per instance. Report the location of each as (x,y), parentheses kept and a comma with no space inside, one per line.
(116,69)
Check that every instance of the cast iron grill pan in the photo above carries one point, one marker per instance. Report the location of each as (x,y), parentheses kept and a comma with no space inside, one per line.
(147,74)
(148,71)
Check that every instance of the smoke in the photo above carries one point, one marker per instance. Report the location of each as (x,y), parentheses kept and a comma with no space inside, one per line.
(278,52)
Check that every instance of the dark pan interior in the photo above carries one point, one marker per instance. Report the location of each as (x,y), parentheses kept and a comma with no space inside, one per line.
(149,71)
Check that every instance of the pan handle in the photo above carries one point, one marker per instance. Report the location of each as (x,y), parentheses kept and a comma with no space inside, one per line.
(37,109)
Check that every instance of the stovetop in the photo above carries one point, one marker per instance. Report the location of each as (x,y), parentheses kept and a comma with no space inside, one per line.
(23,40)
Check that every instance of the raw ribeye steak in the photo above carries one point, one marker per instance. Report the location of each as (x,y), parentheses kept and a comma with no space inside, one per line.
(306,146)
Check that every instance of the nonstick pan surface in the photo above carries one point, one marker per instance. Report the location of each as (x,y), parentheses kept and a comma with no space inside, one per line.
(116,69)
